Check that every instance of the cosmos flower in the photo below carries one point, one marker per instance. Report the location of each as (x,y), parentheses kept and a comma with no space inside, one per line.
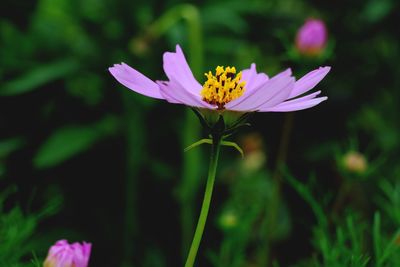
(63,254)
(245,91)
(311,38)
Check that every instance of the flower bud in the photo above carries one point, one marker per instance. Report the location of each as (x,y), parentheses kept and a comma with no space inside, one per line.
(355,162)
(397,240)
(63,254)
(312,37)
(228,220)
(255,158)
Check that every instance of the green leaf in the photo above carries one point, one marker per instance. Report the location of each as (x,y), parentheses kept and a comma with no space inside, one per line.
(376,10)
(38,77)
(9,145)
(377,237)
(69,141)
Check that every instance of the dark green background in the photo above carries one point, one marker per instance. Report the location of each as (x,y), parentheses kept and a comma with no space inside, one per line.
(100,163)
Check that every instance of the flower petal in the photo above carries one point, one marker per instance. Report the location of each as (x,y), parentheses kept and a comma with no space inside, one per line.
(176,67)
(252,78)
(303,98)
(293,101)
(169,96)
(280,96)
(173,92)
(309,81)
(286,106)
(273,91)
(135,81)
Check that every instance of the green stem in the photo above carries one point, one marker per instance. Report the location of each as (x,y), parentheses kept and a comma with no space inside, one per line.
(206,201)
(135,140)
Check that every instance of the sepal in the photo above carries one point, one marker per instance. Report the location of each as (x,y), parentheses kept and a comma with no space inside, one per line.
(210,142)
(222,124)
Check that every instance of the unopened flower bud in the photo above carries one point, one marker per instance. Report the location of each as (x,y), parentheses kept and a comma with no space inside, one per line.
(254,161)
(355,162)
(255,158)
(397,240)
(312,37)
(228,220)
(63,254)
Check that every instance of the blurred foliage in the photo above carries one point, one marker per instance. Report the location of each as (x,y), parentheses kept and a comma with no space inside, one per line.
(348,244)
(71,140)
(18,231)
(72,135)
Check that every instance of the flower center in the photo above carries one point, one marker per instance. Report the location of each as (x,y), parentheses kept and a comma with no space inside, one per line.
(222,87)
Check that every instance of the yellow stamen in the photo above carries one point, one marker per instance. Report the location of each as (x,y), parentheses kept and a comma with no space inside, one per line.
(224,87)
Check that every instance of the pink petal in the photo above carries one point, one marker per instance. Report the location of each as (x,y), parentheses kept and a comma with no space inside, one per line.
(135,81)
(303,98)
(253,79)
(65,259)
(87,249)
(82,253)
(64,254)
(275,90)
(176,67)
(280,96)
(246,95)
(286,106)
(309,81)
(173,92)
(165,91)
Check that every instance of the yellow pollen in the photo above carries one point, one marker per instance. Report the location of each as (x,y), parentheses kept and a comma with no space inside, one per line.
(222,87)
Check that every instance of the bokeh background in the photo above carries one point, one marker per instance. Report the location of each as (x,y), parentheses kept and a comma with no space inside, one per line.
(83,158)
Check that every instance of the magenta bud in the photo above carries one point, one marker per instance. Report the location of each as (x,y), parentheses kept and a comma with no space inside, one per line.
(312,37)
(63,254)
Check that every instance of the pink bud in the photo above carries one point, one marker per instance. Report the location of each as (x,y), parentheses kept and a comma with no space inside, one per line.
(63,254)
(312,37)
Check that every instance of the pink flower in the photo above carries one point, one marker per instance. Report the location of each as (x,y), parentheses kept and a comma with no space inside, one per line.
(312,37)
(63,254)
(245,91)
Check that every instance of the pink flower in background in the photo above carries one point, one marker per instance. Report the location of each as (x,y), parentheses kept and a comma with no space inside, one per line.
(63,254)
(312,37)
(245,91)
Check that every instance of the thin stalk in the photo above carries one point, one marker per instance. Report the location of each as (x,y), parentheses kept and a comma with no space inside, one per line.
(206,202)
(134,139)
(284,145)
(190,181)
(189,184)
(272,208)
